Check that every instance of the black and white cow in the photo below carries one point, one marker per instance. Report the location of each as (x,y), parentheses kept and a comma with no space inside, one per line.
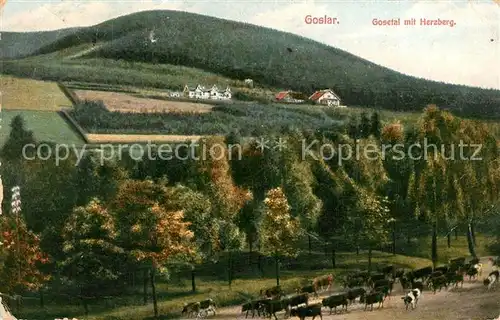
(411,298)
(492,279)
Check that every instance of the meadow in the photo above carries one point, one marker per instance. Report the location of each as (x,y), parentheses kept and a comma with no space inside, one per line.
(138,138)
(163,120)
(117,73)
(28,94)
(247,119)
(48,126)
(125,103)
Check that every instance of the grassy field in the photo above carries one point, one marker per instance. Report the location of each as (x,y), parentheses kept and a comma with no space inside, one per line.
(46,125)
(212,282)
(386,116)
(249,119)
(138,138)
(458,247)
(116,73)
(27,94)
(122,102)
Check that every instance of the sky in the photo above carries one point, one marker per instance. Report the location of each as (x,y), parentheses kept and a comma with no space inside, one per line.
(468,53)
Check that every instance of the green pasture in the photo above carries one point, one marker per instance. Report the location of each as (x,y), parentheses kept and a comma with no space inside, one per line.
(46,125)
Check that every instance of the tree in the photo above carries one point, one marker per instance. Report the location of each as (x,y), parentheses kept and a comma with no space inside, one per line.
(86,180)
(49,193)
(371,220)
(466,189)
(21,257)
(110,175)
(298,186)
(479,179)
(233,138)
(197,210)
(375,125)
(398,170)
(230,239)
(279,230)
(352,128)
(364,125)
(217,181)
(93,262)
(366,168)
(340,183)
(19,137)
(392,133)
(227,199)
(249,219)
(431,197)
(165,238)
(429,184)
(152,227)
(334,189)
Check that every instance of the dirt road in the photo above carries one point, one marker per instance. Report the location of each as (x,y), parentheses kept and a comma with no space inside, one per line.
(472,302)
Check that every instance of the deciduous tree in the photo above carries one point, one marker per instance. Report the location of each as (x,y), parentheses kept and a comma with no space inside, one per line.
(152,227)
(94,260)
(279,229)
(21,257)
(371,220)
(364,125)
(375,125)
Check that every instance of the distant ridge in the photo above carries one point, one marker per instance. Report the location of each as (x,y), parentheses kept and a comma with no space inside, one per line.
(269,57)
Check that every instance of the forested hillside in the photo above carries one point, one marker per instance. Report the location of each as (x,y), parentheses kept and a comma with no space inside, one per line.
(18,44)
(270,57)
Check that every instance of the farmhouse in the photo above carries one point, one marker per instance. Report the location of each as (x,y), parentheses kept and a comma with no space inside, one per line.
(200,92)
(249,83)
(327,97)
(289,97)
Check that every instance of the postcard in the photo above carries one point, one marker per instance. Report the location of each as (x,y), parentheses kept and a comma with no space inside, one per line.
(182,159)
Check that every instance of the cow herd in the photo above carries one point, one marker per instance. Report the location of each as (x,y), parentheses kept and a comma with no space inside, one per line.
(368,288)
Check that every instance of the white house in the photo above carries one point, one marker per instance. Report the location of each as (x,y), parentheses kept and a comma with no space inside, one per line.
(200,92)
(249,83)
(327,97)
(175,94)
(225,94)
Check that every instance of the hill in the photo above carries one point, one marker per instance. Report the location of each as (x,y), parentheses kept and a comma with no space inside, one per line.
(238,50)
(18,44)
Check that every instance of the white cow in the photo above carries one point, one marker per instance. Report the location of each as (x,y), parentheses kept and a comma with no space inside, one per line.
(411,298)
(492,279)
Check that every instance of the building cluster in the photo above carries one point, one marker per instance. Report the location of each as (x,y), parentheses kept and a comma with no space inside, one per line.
(200,92)
(325,97)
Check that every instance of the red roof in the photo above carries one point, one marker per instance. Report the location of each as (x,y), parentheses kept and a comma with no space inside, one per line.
(317,95)
(282,95)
